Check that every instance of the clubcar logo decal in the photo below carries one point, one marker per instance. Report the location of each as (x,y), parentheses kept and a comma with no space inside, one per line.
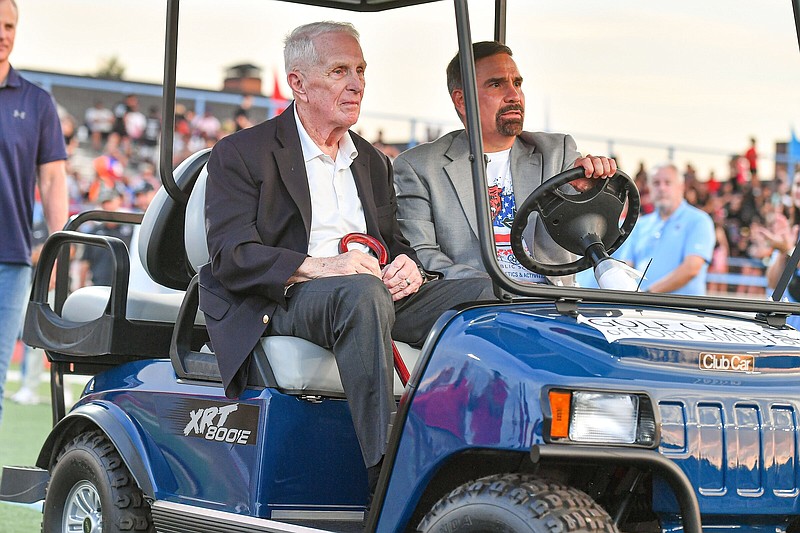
(726,362)
(231,423)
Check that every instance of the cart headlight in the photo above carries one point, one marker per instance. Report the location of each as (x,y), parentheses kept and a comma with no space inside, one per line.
(602,417)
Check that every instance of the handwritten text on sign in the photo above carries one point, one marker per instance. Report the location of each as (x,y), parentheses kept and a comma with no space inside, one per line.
(720,331)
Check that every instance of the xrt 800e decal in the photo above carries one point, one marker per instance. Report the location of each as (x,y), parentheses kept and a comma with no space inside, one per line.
(231,423)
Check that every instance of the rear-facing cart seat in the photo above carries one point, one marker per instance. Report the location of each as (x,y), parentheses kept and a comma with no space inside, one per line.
(162,252)
(89,303)
(111,325)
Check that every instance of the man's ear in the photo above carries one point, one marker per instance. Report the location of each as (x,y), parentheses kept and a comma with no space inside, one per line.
(296,82)
(458,101)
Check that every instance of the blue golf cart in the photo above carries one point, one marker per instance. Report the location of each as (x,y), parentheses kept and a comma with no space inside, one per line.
(549,409)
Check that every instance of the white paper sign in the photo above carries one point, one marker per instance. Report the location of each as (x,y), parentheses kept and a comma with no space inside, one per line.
(692,329)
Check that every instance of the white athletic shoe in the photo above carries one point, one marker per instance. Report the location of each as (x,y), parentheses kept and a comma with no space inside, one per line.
(25,396)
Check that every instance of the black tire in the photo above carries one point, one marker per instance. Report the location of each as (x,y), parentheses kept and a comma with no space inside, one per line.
(516,503)
(91,490)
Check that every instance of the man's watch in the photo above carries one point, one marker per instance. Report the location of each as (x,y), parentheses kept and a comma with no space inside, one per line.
(426,276)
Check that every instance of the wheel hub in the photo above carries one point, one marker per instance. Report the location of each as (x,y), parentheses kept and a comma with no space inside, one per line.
(82,510)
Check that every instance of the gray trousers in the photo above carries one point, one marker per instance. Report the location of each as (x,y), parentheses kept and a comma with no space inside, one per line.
(355,318)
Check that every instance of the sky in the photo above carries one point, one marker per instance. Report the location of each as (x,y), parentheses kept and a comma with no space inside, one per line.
(703,76)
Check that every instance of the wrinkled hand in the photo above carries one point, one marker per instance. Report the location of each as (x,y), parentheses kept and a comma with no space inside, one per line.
(594,167)
(352,262)
(346,264)
(402,277)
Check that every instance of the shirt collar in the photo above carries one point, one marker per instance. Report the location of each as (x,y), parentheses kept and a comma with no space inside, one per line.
(310,149)
(681,208)
(12,80)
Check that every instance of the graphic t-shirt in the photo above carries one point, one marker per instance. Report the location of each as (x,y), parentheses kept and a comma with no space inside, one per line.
(503,209)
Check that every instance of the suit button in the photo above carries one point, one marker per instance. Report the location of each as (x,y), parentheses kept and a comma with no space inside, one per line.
(265,319)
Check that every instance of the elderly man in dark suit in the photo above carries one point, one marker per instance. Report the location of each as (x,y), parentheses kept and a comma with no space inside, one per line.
(279,198)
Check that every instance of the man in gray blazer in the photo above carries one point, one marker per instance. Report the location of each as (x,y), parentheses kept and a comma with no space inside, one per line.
(436,206)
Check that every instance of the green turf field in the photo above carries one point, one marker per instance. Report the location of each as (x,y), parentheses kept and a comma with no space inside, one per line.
(22,432)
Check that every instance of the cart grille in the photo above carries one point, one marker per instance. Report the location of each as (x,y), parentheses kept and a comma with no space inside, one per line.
(744,449)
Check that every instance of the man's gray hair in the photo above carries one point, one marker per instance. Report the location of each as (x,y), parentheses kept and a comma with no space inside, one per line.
(14,5)
(298,47)
(665,166)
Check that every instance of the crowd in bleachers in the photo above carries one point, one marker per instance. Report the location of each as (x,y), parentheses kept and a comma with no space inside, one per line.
(119,151)
(117,147)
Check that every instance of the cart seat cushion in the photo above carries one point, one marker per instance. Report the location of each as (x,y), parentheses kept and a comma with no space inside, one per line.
(89,303)
(301,366)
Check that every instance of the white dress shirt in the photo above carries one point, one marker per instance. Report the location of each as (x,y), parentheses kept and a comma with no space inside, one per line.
(336,209)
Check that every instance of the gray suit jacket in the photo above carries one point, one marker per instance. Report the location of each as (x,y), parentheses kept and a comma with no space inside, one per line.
(436,205)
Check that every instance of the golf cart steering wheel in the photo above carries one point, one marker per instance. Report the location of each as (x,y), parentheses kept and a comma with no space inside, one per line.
(584,223)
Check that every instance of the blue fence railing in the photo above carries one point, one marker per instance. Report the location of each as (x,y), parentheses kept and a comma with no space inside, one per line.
(743,274)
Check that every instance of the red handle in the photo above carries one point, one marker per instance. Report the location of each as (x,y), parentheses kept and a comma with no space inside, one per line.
(383,258)
(367,240)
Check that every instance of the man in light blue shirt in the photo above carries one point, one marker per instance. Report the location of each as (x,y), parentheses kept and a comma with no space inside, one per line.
(677,237)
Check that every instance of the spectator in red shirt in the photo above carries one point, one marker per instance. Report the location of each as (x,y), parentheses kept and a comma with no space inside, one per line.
(752,159)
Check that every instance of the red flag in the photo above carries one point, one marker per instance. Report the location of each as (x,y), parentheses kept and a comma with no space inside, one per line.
(279,102)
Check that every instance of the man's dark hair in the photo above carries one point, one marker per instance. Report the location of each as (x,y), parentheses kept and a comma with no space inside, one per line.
(479,51)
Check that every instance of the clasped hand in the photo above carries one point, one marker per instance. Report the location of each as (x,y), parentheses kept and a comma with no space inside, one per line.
(401,277)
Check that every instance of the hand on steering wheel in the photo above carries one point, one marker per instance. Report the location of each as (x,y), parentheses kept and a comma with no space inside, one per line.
(584,223)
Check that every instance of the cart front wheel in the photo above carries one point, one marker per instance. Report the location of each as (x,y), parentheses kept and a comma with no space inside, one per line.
(516,503)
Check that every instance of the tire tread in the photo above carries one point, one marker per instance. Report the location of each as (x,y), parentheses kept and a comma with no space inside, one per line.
(132,511)
(546,505)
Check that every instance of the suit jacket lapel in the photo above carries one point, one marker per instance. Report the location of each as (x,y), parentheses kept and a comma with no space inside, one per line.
(459,171)
(291,165)
(360,170)
(526,175)
(526,170)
